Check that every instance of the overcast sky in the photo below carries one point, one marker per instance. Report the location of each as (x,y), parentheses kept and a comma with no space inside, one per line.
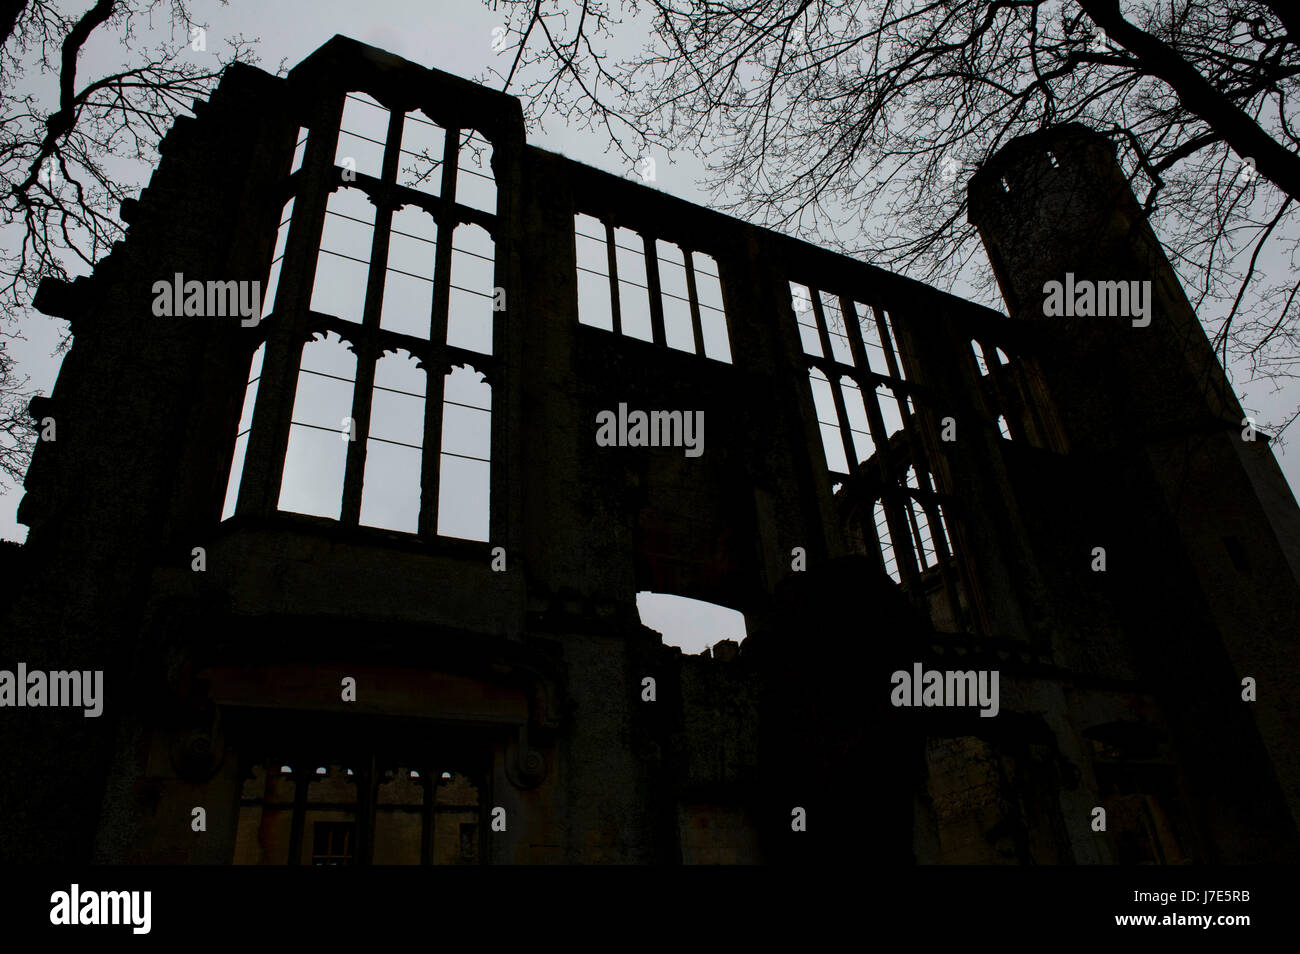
(455,37)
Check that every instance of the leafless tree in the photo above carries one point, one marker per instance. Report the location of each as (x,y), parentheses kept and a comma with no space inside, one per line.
(17,436)
(70,145)
(857,122)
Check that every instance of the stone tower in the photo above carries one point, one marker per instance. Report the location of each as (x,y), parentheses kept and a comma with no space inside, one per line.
(1204,540)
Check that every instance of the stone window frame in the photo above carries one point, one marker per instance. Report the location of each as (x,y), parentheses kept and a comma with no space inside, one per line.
(653,287)
(895,454)
(291,324)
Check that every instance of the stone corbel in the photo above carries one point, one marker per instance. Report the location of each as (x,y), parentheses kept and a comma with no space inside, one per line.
(197,752)
(525,766)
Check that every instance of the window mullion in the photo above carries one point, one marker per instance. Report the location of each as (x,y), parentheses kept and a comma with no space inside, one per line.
(611,253)
(367,798)
(856,348)
(697,325)
(887,343)
(450,164)
(837,398)
(362,398)
(427,812)
(900,535)
(915,527)
(944,557)
(446,221)
(301,779)
(268,440)
(435,372)
(655,292)
(368,351)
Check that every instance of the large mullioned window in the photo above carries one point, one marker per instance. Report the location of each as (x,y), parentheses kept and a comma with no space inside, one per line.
(300,811)
(391,417)
(649,289)
(865,407)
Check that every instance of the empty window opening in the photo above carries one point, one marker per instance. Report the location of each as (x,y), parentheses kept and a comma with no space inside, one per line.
(633,289)
(343,265)
(619,299)
(393,477)
(942,529)
(869,328)
(277,256)
(689,624)
(594,307)
(859,427)
(887,556)
(688,282)
(713,317)
(299,150)
(390,496)
(978,351)
(362,134)
(819,312)
(889,334)
(889,410)
(417,816)
(241,435)
(408,281)
(869,390)
(806,319)
(456,838)
(469,319)
(1002,356)
(679,329)
(320,430)
(1003,428)
(836,330)
(475,185)
(801,300)
(828,422)
(421,154)
(465,462)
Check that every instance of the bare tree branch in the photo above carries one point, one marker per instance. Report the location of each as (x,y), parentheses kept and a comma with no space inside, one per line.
(855,123)
(62,162)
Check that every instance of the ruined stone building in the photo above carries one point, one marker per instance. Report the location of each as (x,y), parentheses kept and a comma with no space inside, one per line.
(449,667)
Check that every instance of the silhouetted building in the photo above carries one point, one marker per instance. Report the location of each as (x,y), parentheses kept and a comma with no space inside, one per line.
(361,574)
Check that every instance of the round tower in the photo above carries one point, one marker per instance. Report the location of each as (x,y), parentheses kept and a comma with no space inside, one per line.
(1069,243)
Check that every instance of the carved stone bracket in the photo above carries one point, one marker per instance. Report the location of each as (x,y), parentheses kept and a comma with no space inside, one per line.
(196,754)
(525,766)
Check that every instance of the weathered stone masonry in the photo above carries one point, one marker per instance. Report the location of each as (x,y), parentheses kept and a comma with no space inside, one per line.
(522,689)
